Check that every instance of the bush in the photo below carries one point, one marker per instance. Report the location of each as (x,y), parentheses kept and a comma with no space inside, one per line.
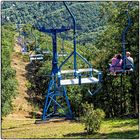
(28,84)
(25,58)
(92,118)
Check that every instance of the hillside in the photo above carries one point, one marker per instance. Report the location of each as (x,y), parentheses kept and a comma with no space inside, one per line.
(21,107)
(55,14)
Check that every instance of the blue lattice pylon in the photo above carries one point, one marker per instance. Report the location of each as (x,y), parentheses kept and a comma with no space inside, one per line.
(55,91)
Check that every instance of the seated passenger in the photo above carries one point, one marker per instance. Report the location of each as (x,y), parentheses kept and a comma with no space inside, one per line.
(129,61)
(116,63)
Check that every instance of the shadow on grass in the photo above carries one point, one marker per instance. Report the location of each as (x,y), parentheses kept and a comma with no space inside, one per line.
(133,134)
(19,126)
(75,134)
(36,88)
(128,124)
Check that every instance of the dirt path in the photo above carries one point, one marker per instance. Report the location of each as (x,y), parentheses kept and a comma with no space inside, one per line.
(22,107)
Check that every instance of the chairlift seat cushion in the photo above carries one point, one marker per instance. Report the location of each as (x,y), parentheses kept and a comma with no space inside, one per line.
(62,54)
(80,70)
(76,81)
(36,57)
(121,71)
(46,52)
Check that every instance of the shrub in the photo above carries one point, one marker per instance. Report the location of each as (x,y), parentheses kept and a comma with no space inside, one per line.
(25,58)
(28,84)
(92,118)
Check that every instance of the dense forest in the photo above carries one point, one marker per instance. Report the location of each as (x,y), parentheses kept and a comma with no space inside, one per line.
(99,37)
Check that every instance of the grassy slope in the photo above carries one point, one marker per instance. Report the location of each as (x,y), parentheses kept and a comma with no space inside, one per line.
(118,128)
(21,106)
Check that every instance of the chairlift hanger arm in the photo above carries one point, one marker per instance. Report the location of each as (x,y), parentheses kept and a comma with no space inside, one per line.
(32,32)
(34,37)
(74,34)
(126,28)
(123,38)
(74,20)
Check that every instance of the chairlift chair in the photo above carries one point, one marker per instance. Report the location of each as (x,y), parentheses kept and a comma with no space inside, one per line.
(23,48)
(80,79)
(62,53)
(121,71)
(46,52)
(36,57)
(124,68)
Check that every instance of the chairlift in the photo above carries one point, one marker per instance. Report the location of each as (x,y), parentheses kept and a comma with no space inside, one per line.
(38,50)
(127,69)
(36,57)
(23,33)
(46,52)
(19,40)
(62,53)
(80,78)
(124,69)
(23,48)
(56,78)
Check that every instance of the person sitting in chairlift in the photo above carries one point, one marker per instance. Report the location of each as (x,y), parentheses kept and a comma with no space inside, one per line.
(129,61)
(116,64)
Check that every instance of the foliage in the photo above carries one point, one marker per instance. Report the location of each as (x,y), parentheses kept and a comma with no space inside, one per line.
(118,92)
(9,83)
(92,118)
(55,14)
(25,58)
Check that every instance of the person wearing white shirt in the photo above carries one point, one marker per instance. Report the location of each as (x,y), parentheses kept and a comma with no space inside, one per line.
(129,61)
